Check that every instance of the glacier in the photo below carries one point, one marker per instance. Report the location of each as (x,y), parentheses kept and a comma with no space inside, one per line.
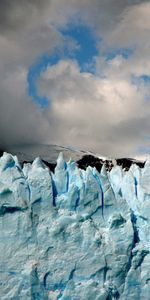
(74,234)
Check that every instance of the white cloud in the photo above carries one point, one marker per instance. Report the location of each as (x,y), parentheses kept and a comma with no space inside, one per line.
(106,115)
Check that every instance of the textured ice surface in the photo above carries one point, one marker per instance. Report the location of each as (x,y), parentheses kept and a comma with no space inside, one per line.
(75,234)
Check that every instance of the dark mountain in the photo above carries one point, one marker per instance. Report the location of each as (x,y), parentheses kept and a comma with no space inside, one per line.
(1,151)
(90,160)
(49,154)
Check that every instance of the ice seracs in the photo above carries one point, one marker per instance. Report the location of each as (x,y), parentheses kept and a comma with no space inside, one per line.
(75,234)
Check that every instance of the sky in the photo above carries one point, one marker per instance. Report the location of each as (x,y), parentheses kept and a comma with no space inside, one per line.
(77,73)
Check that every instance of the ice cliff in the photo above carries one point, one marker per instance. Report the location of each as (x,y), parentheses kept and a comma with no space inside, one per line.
(75,234)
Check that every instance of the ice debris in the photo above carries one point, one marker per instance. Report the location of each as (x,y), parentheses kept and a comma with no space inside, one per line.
(75,234)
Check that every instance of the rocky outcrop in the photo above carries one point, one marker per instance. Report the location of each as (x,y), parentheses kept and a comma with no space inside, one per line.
(94,161)
(75,234)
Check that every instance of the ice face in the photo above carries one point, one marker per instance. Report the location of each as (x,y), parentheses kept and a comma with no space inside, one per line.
(73,234)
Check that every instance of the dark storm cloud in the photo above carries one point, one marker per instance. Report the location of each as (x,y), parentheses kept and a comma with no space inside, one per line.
(14,14)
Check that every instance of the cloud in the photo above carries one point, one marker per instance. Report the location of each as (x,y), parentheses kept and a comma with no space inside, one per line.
(20,120)
(14,15)
(109,116)
(24,35)
(106,112)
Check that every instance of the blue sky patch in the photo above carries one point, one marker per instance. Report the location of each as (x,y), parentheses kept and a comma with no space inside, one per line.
(145,78)
(140,79)
(86,42)
(125,52)
(34,73)
(83,52)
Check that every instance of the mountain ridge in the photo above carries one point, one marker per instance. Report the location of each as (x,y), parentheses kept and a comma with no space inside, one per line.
(49,154)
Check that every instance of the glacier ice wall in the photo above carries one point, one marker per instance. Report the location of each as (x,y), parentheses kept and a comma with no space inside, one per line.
(74,234)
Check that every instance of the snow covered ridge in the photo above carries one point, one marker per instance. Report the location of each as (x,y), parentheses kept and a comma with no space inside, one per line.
(75,234)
